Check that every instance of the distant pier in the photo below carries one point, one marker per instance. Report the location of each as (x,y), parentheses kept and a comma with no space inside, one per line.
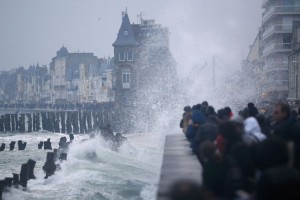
(21,120)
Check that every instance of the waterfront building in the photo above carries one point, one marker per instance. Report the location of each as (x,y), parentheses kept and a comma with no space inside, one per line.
(294,63)
(80,77)
(145,68)
(145,73)
(252,69)
(276,43)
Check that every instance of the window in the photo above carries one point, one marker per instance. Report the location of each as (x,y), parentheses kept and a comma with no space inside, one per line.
(125,33)
(287,38)
(121,56)
(90,98)
(287,2)
(130,56)
(104,81)
(126,79)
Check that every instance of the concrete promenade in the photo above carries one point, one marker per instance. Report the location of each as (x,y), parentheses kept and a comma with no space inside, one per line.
(179,163)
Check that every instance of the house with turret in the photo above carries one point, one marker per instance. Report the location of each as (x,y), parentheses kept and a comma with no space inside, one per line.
(143,61)
(145,70)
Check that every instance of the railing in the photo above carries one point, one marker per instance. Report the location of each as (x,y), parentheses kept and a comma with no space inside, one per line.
(296,46)
(276,66)
(268,31)
(291,8)
(264,3)
(267,13)
(278,47)
(279,9)
(279,28)
(276,85)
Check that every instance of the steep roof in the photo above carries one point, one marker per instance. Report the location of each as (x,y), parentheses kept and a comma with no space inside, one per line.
(125,36)
(62,52)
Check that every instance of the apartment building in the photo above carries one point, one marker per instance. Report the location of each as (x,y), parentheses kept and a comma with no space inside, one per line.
(276,44)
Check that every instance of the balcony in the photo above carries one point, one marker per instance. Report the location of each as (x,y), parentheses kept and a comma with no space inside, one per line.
(276,86)
(276,67)
(277,10)
(264,3)
(277,28)
(277,47)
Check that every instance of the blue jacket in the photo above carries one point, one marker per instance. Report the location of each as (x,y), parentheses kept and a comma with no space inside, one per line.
(198,119)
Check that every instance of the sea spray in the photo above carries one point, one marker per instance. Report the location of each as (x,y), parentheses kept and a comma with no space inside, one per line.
(130,172)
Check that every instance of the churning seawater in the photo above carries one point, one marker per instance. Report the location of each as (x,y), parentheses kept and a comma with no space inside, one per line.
(132,172)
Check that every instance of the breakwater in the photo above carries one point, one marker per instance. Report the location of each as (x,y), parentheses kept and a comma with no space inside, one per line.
(71,121)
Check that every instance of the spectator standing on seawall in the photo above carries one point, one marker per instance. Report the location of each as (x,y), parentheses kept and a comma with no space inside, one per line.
(282,126)
(187,115)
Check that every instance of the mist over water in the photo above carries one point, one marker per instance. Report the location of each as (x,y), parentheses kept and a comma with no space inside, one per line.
(205,30)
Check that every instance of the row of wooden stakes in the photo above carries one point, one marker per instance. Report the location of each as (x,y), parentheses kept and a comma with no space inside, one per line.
(27,169)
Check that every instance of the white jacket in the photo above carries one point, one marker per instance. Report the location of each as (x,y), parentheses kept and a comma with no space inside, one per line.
(252,129)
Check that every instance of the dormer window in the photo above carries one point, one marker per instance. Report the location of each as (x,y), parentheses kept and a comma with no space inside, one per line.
(125,33)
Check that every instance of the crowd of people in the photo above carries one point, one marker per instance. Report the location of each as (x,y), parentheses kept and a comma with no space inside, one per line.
(244,156)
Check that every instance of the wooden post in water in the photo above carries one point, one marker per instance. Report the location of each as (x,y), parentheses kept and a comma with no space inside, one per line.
(7,122)
(22,123)
(89,121)
(17,122)
(13,124)
(33,121)
(29,122)
(38,122)
(95,120)
(63,121)
(81,130)
(44,121)
(2,123)
(51,121)
(56,122)
(69,122)
(75,122)
(24,175)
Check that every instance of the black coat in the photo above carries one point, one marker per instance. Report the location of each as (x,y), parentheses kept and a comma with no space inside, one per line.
(296,135)
(283,130)
(207,131)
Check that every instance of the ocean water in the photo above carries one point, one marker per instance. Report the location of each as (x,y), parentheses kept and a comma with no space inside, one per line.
(132,172)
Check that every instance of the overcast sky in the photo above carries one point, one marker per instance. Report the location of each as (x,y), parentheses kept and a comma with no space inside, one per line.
(33,30)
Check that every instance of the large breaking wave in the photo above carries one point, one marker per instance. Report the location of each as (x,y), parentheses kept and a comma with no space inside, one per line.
(132,172)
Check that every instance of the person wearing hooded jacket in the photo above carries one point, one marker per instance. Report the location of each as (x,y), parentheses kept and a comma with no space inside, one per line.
(253,130)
